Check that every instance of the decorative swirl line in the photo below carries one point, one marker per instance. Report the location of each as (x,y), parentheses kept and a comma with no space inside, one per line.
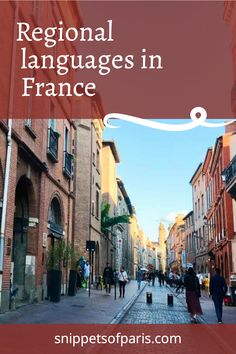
(196,121)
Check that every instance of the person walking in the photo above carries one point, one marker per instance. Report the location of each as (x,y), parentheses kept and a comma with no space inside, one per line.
(153,278)
(160,277)
(218,289)
(139,277)
(171,279)
(149,278)
(108,278)
(165,278)
(180,284)
(200,278)
(87,274)
(193,293)
(206,284)
(123,279)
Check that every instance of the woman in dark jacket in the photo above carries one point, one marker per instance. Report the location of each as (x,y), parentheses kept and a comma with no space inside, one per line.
(193,293)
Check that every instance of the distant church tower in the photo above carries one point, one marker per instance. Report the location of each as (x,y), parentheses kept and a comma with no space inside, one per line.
(162,247)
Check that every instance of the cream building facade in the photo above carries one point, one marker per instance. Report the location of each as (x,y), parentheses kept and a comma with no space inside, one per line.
(199,209)
(109,189)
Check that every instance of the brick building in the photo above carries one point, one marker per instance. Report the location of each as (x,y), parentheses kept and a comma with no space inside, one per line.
(220,224)
(88,168)
(36,157)
(39,202)
(175,244)
(230,184)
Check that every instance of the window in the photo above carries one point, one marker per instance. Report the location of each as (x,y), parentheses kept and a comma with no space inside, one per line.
(97,204)
(29,128)
(52,140)
(92,208)
(66,139)
(98,160)
(94,158)
(68,158)
(200,238)
(28,122)
(55,218)
(202,201)
(52,123)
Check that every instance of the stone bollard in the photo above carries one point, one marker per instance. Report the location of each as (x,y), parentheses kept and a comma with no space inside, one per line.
(149,298)
(13,303)
(170,300)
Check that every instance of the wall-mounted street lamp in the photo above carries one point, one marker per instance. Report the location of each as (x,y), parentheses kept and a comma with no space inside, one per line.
(195,235)
(223,177)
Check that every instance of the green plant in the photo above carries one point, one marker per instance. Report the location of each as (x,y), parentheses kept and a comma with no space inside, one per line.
(55,256)
(60,255)
(107,222)
(71,256)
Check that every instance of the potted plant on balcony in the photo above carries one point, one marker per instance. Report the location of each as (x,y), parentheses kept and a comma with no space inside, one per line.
(55,259)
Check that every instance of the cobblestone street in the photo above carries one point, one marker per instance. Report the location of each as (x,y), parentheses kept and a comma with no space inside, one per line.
(209,315)
(158,312)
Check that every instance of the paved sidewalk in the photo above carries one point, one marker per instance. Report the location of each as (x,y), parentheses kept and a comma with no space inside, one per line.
(158,312)
(99,308)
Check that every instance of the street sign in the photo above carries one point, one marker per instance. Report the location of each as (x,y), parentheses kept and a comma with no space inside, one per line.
(90,246)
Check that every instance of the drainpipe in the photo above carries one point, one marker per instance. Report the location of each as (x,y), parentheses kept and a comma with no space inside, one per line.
(5,191)
(9,142)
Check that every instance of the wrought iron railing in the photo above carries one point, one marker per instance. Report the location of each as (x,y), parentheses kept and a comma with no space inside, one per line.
(230,171)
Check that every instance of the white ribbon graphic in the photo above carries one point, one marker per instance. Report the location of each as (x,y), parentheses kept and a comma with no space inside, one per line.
(196,121)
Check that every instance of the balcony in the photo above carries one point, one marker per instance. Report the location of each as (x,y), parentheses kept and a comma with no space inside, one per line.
(68,164)
(230,178)
(53,145)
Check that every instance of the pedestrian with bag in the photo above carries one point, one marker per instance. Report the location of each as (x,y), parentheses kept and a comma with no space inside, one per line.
(123,279)
(193,293)
(108,278)
(218,290)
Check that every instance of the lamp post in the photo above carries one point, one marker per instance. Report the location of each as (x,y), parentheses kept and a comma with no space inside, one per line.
(114,240)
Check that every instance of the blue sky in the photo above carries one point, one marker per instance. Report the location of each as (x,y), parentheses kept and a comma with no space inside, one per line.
(156,167)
